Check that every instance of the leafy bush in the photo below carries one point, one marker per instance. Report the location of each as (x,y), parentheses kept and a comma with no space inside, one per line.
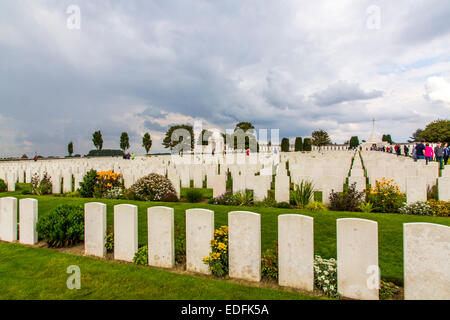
(107,180)
(366,207)
(283,205)
(388,290)
(267,202)
(153,187)
(114,193)
(87,186)
(141,256)
(41,186)
(432,192)
(385,196)
(194,195)
(218,258)
(420,208)
(316,206)
(325,276)
(3,186)
(302,194)
(349,200)
(244,198)
(64,226)
(105,153)
(226,199)
(109,241)
(269,263)
(440,208)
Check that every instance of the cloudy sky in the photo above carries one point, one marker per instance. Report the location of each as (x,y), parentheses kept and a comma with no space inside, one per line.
(141,66)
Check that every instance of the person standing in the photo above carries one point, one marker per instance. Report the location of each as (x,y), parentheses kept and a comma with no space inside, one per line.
(397,150)
(429,154)
(406,150)
(446,153)
(420,150)
(439,154)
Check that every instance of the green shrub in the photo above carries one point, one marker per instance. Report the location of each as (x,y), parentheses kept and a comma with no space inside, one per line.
(349,200)
(141,256)
(316,206)
(180,245)
(366,207)
(302,194)
(283,205)
(105,153)
(218,258)
(194,195)
(63,226)
(440,208)
(109,241)
(3,186)
(244,198)
(325,276)
(269,263)
(388,290)
(41,186)
(420,208)
(114,193)
(153,187)
(226,199)
(87,186)
(267,202)
(385,196)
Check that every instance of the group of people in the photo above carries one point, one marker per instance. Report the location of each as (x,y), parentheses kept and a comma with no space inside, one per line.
(440,153)
(129,156)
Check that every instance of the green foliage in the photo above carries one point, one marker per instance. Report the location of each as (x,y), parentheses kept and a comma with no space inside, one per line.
(218,258)
(283,205)
(307,144)
(194,195)
(437,131)
(387,138)
(366,207)
(64,226)
(325,276)
(226,199)
(243,137)
(440,208)
(3,186)
(266,203)
(105,153)
(302,194)
(141,256)
(385,196)
(388,290)
(243,198)
(180,245)
(269,263)
(298,144)
(415,137)
(124,141)
(285,145)
(41,187)
(147,142)
(97,140)
(354,142)
(204,137)
(153,187)
(87,186)
(109,241)
(349,200)
(70,148)
(316,206)
(320,138)
(420,208)
(180,136)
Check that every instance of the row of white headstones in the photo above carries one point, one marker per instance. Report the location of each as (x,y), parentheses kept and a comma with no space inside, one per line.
(426,246)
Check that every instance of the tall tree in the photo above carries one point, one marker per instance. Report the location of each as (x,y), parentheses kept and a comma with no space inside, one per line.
(70,148)
(204,137)
(298,144)
(177,134)
(97,139)
(320,138)
(285,145)
(387,138)
(415,137)
(124,141)
(307,144)
(147,142)
(437,131)
(249,130)
(354,142)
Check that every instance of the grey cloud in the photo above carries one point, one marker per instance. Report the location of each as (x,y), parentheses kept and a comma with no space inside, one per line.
(343,91)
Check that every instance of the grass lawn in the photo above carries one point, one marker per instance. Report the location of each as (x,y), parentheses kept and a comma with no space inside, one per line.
(390,226)
(35,273)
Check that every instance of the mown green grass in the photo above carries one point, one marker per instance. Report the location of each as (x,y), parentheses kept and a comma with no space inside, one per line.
(390,226)
(35,273)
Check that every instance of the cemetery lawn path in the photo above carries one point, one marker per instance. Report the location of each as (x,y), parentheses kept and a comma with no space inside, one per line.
(38,274)
(390,226)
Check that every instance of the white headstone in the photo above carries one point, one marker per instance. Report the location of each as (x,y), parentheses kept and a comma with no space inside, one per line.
(94,229)
(199,234)
(125,232)
(28,215)
(161,242)
(8,219)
